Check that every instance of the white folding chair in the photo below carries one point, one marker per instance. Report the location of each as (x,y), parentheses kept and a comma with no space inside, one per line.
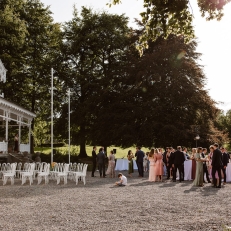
(3,168)
(63,174)
(18,169)
(44,174)
(9,174)
(81,174)
(29,174)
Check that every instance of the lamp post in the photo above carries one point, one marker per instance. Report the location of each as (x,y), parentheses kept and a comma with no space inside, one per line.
(197,138)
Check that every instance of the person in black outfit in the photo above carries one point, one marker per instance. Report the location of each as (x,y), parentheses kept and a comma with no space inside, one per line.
(165,159)
(101,162)
(94,159)
(216,165)
(205,169)
(225,162)
(139,161)
(177,163)
(168,162)
(16,143)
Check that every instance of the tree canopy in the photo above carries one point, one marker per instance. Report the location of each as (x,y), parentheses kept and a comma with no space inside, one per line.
(166,17)
(118,97)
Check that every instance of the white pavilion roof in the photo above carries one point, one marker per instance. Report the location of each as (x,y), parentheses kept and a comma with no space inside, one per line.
(14,112)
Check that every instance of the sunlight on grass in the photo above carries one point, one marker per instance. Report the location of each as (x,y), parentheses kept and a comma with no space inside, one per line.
(120,153)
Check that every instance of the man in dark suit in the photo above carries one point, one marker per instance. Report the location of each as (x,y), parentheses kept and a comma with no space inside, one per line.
(94,159)
(101,162)
(177,163)
(216,165)
(205,169)
(225,162)
(168,162)
(139,161)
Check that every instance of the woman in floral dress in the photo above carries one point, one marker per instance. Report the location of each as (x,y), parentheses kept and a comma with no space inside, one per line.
(111,165)
(130,163)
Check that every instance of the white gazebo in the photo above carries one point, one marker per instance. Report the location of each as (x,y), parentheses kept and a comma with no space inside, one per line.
(12,112)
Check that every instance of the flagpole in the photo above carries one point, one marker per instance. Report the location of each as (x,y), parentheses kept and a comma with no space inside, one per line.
(52,72)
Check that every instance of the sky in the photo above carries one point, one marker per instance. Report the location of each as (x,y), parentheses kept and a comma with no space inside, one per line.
(214,39)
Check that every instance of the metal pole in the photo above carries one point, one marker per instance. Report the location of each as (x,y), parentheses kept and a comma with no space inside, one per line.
(19,134)
(51,115)
(69,124)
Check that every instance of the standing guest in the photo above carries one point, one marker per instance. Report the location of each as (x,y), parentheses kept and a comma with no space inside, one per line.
(148,164)
(228,155)
(158,164)
(94,159)
(152,173)
(225,162)
(168,162)
(186,155)
(101,163)
(205,169)
(178,161)
(123,180)
(16,143)
(139,161)
(199,168)
(145,162)
(210,157)
(164,156)
(216,165)
(111,165)
(160,150)
(130,157)
(184,150)
(194,150)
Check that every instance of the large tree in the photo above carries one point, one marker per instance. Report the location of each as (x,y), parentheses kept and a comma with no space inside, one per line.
(93,48)
(28,80)
(160,100)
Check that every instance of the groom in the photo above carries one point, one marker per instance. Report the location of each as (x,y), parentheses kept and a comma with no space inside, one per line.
(216,165)
(139,161)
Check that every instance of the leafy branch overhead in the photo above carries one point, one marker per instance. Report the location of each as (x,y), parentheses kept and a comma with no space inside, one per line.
(165,17)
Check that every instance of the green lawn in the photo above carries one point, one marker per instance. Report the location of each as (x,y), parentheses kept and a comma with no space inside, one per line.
(120,153)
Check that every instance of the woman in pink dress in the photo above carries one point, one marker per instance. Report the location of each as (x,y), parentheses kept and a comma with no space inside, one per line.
(158,158)
(152,176)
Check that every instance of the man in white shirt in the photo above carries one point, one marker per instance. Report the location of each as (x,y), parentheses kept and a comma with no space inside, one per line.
(123,180)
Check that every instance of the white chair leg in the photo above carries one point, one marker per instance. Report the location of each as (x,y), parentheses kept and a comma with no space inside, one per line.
(39,179)
(4,180)
(12,180)
(76,179)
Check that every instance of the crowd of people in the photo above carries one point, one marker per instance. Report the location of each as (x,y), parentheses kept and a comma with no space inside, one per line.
(157,161)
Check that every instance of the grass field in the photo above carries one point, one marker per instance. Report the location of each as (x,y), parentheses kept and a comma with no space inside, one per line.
(120,153)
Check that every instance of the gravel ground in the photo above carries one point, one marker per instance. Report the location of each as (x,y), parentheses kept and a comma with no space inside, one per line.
(99,205)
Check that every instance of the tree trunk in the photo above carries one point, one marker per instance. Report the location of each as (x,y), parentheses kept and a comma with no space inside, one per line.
(83,152)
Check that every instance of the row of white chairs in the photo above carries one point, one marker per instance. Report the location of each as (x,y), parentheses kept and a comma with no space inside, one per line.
(42,170)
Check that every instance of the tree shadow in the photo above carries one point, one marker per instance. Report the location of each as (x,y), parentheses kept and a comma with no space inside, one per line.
(205,191)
